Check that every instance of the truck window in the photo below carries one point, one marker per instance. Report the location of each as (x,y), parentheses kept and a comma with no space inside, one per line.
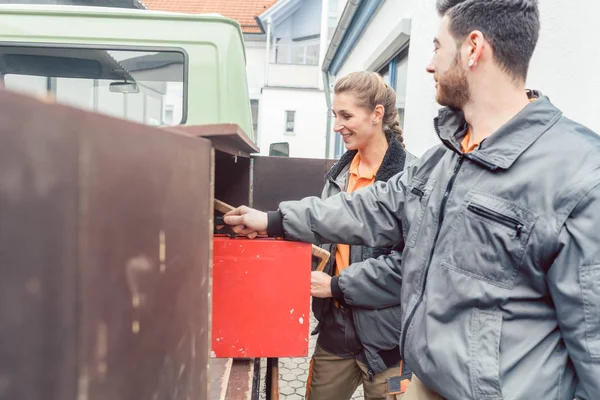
(142,86)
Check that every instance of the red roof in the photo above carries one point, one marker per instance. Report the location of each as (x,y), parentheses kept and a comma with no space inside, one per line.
(243,11)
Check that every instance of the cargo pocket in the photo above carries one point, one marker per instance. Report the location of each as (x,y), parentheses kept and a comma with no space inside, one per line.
(484,354)
(489,238)
(417,198)
(590,291)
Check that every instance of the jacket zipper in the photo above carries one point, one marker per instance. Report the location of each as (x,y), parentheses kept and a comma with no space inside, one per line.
(497,217)
(418,192)
(437,234)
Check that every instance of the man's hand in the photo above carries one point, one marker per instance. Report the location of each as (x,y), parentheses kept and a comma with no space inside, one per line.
(247,221)
(320,284)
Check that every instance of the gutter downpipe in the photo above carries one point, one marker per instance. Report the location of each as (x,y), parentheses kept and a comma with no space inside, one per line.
(268,52)
(336,40)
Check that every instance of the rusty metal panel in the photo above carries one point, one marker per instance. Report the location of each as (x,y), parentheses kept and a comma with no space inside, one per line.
(105,236)
(38,253)
(232,179)
(276,179)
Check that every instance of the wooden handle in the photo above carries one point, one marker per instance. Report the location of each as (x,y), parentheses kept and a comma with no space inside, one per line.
(322,255)
(223,207)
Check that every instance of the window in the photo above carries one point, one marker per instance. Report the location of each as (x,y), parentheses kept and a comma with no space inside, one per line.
(302,52)
(385,74)
(141,86)
(169,115)
(400,84)
(395,74)
(290,117)
(333,16)
(281,149)
(254,107)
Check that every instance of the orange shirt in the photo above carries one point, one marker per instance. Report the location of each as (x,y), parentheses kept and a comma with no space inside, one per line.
(355,181)
(465,143)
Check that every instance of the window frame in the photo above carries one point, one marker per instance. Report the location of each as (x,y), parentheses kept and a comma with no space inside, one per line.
(293,131)
(109,47)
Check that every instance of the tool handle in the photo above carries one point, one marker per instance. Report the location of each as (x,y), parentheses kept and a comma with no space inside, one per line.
(322,255)
(223,207)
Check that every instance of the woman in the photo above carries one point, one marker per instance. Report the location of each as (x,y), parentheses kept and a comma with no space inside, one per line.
(358,345)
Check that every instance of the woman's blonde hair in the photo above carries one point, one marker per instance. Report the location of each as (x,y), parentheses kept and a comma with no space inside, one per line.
(370,90)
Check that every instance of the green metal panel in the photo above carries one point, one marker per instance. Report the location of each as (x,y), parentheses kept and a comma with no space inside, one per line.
(216,73)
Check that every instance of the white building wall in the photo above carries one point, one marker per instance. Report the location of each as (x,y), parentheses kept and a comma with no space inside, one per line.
(284,29)
(255,67)
(307,20)
(564,64)
(567,58)
(308,140)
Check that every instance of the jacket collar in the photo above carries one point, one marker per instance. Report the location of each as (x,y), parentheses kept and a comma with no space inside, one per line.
(393,163)
(501,149)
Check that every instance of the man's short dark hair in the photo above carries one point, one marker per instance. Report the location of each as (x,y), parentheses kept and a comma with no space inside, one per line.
(511,27)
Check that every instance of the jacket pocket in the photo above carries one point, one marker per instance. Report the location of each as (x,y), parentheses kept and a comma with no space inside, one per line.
(419,192)
(484,354)
(590,291)
(489,238)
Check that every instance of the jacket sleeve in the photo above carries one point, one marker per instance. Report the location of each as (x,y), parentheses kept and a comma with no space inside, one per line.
(374,283)
(370,216)
(574,284)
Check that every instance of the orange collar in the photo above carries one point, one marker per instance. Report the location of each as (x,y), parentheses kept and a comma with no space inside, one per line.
(354,168)
(465,143)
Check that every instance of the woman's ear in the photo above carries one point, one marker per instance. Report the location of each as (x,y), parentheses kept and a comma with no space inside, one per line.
(378,113)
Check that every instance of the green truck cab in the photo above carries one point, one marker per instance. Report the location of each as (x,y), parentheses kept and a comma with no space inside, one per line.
(156,68)
(111,223)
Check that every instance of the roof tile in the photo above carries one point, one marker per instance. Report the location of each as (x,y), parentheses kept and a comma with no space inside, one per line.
(243,11)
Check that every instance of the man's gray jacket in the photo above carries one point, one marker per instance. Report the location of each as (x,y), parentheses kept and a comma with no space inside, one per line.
(501,256)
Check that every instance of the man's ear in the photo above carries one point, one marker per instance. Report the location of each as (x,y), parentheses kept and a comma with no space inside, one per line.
(475,41)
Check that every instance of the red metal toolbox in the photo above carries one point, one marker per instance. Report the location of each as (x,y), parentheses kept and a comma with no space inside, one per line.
(261,298)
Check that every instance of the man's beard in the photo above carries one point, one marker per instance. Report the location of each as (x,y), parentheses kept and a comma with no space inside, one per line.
(453,87)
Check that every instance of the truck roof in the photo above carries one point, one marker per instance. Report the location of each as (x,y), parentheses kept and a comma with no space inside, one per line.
(109,11)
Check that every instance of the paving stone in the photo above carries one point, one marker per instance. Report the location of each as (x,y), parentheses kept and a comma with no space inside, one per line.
(286,390)
(288,377)
(293,373)
(296,384)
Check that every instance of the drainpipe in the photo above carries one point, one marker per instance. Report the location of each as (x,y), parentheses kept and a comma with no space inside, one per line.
(268,55)
(329,112)
(336,40)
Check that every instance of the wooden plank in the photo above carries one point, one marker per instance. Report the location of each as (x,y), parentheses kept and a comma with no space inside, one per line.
(105,246)
(277,179)
(240,380)
(38,252)
(229,138)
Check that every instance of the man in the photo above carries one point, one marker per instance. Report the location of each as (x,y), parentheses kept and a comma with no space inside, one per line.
(499,224)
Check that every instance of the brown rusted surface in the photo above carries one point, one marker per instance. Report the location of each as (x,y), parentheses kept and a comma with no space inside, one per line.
(232,179)
(239,386)
(104,257)
(276,179)
(273,379)
(38,252)
(229,138)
